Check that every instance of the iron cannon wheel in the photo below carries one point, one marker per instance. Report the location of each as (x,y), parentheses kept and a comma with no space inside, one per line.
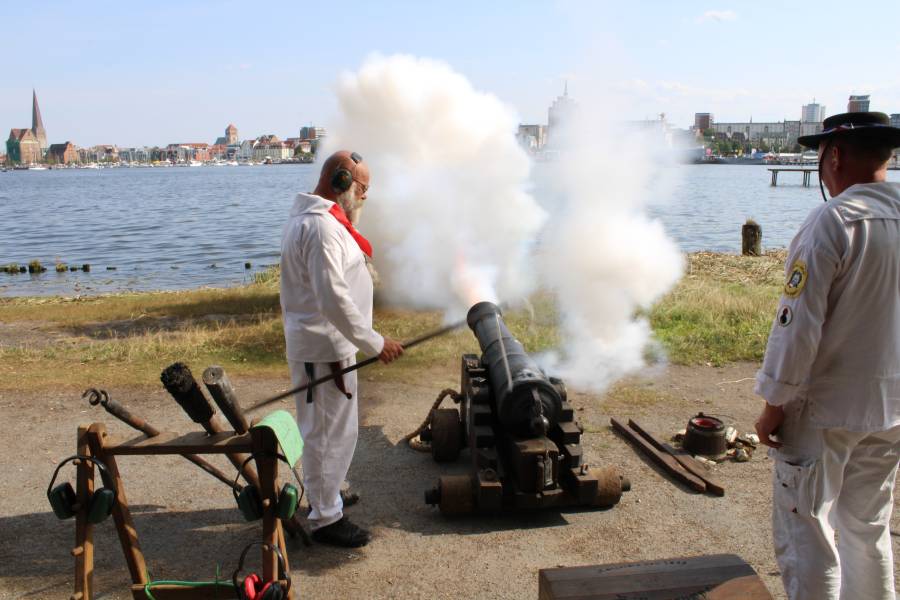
(457,495)
(446,434)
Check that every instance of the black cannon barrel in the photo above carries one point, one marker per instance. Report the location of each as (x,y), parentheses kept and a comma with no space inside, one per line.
(527,403)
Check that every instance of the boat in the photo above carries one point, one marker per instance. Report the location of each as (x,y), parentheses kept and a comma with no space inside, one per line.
(195,163)
(37,168)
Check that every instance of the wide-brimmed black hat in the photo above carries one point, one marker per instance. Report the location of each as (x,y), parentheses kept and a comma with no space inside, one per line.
(873,125)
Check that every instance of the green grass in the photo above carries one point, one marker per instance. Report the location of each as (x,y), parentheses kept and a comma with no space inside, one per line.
(720,312)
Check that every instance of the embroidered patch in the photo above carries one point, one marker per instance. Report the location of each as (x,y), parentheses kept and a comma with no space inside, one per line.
(796,280)
(785,316)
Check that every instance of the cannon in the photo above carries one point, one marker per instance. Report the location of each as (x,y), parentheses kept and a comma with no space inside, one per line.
(524,443)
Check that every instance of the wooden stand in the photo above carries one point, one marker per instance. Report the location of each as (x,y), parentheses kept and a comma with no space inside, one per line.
(94,441)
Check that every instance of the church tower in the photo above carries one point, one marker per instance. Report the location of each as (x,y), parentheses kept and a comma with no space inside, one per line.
(37,124)
(231,135)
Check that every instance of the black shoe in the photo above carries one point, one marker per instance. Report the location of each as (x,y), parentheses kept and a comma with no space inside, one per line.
(342,533)
(349,498)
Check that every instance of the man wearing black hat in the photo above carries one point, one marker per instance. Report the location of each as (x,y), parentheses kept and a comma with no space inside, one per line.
(831,374)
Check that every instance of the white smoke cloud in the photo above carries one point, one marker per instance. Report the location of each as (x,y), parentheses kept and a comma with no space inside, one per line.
(453,221)
(600,253)
(448,211)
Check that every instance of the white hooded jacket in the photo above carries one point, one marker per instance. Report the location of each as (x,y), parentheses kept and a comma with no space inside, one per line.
(326,289)
(836,338)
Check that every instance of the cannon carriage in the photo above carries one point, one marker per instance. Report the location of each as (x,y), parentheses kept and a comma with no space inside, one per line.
(523,440)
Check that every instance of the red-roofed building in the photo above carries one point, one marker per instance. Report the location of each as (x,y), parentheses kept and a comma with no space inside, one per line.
(62,154)
(23,147)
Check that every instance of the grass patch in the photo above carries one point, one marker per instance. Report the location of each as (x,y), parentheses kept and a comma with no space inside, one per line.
(721,311)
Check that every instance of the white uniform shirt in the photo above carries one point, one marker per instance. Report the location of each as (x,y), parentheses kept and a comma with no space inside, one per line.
(326,289)
(836,337)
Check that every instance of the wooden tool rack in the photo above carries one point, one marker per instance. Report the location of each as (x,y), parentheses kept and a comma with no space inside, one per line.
(93,440)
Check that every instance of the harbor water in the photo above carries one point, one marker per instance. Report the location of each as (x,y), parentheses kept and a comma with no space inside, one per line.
(176,228)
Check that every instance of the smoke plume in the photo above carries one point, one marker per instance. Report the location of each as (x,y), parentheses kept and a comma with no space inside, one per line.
(456,216)
(448,211)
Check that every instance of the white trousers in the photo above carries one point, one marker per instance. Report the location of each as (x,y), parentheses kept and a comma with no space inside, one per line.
(827,481)
(329,426)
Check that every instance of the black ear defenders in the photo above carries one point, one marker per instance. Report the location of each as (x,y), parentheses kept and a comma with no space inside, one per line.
(250,503)
(252,586)
(343,178)
(64,502)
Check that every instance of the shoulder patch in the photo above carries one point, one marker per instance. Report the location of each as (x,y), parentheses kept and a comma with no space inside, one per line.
(796,280)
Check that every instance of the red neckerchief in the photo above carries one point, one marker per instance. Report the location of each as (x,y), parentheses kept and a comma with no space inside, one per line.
(338,213)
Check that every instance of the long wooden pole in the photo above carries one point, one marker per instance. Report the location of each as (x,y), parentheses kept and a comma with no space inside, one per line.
(406,345)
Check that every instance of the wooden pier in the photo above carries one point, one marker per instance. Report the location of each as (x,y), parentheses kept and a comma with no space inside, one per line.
(807,174)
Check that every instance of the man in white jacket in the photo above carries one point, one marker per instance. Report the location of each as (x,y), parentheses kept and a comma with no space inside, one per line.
(831,374)
(326,304)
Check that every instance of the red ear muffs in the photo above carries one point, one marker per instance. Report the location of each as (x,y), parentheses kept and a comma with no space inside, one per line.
(251,582)
(271,591)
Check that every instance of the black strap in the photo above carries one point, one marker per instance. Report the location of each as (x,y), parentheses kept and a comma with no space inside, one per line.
(310,375)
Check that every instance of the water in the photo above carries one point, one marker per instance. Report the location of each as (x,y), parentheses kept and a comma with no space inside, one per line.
(166,228)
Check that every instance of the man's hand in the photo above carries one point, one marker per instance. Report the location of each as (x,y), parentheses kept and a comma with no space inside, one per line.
(770,419)
(391,351)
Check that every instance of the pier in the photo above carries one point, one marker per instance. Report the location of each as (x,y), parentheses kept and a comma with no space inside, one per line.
(807,174)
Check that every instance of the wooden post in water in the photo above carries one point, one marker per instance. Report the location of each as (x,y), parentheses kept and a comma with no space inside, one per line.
(751,238)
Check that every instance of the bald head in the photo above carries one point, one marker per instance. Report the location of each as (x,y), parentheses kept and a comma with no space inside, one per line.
(342,169)
(343,161)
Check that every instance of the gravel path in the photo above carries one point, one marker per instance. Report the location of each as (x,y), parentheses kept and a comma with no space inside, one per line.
(187,521)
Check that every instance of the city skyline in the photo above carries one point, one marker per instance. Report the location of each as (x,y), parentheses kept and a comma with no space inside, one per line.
(134,76)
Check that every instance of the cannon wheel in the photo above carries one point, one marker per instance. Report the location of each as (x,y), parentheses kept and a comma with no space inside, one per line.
(457,494)
(446,434)
(610,485)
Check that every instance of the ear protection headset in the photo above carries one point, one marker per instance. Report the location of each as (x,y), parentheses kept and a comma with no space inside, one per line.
(64,502)
(252,586)
(343,178)
(249,500)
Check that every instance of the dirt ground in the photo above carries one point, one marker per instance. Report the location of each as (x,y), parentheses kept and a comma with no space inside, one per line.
(187,521)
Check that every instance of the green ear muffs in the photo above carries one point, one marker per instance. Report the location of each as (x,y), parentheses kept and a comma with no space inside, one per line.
(249,500)
(253,587)
(63,499)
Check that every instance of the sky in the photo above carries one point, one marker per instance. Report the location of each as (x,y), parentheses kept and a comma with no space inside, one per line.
(161,72)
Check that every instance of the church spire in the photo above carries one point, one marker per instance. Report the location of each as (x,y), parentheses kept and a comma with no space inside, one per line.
(37,124)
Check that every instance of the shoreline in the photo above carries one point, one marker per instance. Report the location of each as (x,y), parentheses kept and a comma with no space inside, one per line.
(720,312)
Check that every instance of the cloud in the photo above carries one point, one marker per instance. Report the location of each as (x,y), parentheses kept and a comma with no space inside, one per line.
(719,16)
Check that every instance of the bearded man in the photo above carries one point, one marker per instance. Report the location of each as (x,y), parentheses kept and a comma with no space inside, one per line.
(326,305)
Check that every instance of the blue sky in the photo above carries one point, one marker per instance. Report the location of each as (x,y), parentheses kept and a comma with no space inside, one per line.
(153,73)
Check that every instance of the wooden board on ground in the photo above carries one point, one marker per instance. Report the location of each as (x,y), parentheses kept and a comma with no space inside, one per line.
(663,459)
(714,577)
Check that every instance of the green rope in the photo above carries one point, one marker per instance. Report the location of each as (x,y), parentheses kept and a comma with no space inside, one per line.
(189,584)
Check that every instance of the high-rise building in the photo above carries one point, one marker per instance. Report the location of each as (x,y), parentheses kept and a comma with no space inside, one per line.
(702,121)
(858,104)
(561,111)
(231,135)
(37,124)
(812,113)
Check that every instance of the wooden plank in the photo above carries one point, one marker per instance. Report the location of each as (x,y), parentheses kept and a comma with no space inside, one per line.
(195,442)
(684,458)
(718,576)
(664,460)
(128,537)
(84,531)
